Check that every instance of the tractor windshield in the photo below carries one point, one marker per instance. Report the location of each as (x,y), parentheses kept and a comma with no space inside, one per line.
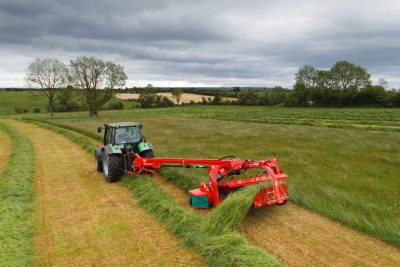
(130,134)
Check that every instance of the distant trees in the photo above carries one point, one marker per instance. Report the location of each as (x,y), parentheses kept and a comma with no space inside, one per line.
(344,84)
(177,93)
(342,76)
(266,97)
(50,74)
(98,78)
(148,98)
(68,100)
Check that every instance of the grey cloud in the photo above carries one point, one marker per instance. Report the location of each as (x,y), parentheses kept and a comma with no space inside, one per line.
(259,43)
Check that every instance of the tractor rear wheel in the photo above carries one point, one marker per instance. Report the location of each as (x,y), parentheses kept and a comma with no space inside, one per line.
(112,167)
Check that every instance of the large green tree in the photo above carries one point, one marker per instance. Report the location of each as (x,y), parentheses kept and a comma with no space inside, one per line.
(98,78)
(306,77)
(346,75)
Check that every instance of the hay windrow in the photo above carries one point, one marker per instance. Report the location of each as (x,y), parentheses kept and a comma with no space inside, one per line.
(16,195)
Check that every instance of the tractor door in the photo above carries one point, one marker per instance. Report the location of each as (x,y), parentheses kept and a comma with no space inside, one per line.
(107,134)
(111,140)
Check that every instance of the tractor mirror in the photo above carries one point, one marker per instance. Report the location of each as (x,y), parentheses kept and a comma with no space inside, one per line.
(99,129)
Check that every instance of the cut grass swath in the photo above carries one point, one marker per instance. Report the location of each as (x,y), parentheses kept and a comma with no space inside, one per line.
(16,195)
(67,127)
(218,247)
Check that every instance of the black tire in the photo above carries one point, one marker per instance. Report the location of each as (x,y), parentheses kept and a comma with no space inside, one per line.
(99,165)
(147,154)
(112,167)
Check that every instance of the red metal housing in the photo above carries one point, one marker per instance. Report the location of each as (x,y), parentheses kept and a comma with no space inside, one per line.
(273,190)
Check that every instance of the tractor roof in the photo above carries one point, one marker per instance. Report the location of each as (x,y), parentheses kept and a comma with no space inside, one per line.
(123,124)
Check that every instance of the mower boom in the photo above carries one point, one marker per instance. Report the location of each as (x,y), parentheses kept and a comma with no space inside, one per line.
(222,174)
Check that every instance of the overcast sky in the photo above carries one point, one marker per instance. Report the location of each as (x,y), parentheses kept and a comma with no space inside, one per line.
(203,43)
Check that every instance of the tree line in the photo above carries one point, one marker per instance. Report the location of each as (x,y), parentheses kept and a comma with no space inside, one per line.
(96,77)
(88,83)
(344,84)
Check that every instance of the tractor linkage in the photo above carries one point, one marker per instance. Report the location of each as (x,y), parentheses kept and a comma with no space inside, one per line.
(222,173)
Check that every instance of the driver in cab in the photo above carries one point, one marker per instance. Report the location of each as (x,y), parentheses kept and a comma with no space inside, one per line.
(125,135)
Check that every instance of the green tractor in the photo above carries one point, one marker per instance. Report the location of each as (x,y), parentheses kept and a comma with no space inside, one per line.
(122,140)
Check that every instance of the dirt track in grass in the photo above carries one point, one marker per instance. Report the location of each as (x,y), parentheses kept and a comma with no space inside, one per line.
(177,194)
(300,237)
(83,221)
(5,149)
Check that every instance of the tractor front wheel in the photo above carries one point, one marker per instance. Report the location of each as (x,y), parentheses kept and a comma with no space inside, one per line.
(112,167)
(99,165)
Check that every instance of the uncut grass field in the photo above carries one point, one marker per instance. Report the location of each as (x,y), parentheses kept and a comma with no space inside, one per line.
(27,101)
(350,175)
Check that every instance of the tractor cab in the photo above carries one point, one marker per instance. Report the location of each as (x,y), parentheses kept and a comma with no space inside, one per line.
(122,133)
(122,141)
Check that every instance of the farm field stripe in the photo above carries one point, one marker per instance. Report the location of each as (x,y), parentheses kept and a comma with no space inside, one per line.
(81,220)
(228,249)
(16,196)
(177,194)
(266,227)
(303,238)
(299,236)
(5,149)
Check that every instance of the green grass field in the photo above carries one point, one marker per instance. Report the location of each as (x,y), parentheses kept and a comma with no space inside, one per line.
(346,174)
(29,100)
(377,119)
(26,100)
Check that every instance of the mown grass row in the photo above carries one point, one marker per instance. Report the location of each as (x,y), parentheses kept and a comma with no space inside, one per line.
(67,127)
(377,119)
(214,238)
(16,196)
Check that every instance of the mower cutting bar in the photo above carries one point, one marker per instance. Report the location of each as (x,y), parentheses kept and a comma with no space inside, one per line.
(218,170)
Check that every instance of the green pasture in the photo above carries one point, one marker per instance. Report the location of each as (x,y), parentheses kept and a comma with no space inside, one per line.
(349,175)
(27,101)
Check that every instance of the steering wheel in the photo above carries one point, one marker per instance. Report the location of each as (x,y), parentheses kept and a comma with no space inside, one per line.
(123,137)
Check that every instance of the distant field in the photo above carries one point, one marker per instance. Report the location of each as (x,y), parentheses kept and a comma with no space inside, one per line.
(346,174)
(26,100)
(360,118)
(185,98)
(29,100)
(365,118)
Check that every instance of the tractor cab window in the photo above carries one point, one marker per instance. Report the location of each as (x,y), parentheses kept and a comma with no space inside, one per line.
(127,135)
(107,136)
